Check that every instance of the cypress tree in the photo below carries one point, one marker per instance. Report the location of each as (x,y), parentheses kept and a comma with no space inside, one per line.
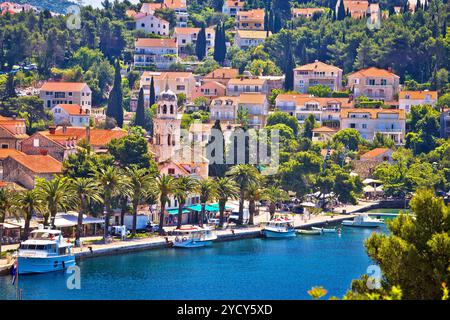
(139,119)
(152,93)
(289,69)
(200,46)
(341,11)
(10,86)
(405,7)
(217,43)
(266,19)
(277,23)
(217,169)
(114,109)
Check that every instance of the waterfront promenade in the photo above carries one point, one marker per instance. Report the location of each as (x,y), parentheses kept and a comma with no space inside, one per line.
(153,242)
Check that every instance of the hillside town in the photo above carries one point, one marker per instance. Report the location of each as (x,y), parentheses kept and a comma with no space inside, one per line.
(115,122)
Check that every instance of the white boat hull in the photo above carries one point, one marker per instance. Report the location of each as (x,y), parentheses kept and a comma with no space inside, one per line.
(279,234)
(192,244)
(28,265)
(366,224)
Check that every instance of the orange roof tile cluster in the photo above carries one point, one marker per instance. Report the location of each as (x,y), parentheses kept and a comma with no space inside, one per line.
(175,4)
(247,81)
(98,137)
(418,95)
(253,34)
(39,163)
(153,42)
(373,112)
(374,153)
(189,31)
(324,129)
(252,98)
(5,153)
(222,73)
(74,109)
(254,14)
(234,100)
(357,8)
(151,7)
(302,99)
(63,86)
(373,72)
(319,67)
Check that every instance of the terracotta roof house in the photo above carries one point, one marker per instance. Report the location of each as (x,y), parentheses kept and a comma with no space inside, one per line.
(178,82)
(257,106)
(24,169)
(179,6)
(250,20)
(232,7)
(246,85)
(160,53)
(210,90)
(317,73)
(188,36)
(369,122)
(53,93)
(151,23)
(322,134)
(407,99)
(244,39)
(12,132)
(374,83)
(380,154)
(222,75)
(367,163)
(357,8)
(73,114)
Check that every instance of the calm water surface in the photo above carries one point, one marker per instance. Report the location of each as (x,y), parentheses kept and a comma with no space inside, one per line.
(246,269)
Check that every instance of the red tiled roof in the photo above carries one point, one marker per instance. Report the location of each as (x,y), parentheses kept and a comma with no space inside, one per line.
(98,137)
(74,109)
(39,163)
(375,152)
(373,72)
(222,73)
(318,66)
(5,153)
(63,86)
(373,112)
(153,42)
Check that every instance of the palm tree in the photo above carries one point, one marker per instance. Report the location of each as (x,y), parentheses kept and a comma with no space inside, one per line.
(207,190)
(139,184)
(165,187)
(55,196)
(110,181)
(244,175)
(253,194)
(273,195)
(28,203)
(184,185)
(226,189)
(6,209)
(84,191)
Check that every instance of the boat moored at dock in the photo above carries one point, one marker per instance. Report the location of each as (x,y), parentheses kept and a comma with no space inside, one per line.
(279,228)
(45,251)
(363,221)
(193,237)
(309,232)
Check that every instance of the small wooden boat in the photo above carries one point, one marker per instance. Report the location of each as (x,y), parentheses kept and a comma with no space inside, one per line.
(309,232)
(324,230)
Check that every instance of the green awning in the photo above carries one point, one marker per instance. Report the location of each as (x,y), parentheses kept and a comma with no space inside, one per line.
(175,211)
(209,207)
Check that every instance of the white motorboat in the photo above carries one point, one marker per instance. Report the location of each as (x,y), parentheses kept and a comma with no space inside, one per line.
(279,228)
(325,230)
(363,221)
(193,237)
(45,251)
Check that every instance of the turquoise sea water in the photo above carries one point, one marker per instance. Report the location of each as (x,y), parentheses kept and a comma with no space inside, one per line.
(246,269)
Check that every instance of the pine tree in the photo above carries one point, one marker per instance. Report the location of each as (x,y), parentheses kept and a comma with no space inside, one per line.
(114,109)
(152,93)
(200,46)
(139,119)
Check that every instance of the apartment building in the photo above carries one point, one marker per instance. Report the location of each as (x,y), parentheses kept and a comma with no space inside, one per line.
(178,82)
(12,131)
(250,20)
(53,93)
(374,83)
(316,73)
(246,85)
(369,122)
(327,111)
(188,36)
(224,109)
(245,39)
(210,90)
(232,7)
(179,6)
(159,53)
(151,24)
(407,99)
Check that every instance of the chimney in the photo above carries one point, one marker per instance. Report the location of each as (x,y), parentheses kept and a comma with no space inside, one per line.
(88,134)
(43,152)
(52,129)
